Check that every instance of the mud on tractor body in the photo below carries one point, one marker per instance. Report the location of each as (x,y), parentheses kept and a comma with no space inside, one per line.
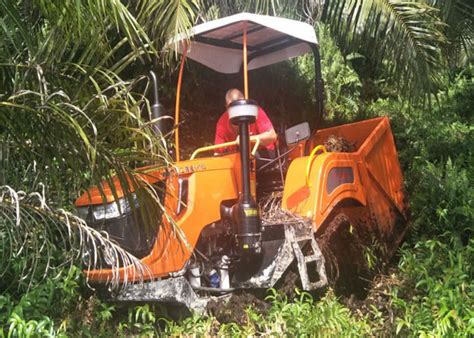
(318,209)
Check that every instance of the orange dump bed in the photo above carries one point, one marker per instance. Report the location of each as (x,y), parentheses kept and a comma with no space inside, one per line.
(366,185)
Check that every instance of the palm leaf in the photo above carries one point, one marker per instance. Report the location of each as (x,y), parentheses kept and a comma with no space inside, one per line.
(84,32)
(69,120)
(300,9)
(73,141)
(165,19)
(403,38)
(30,229)
(459,17)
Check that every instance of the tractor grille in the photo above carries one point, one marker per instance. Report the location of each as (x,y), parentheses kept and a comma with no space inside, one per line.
(130,232)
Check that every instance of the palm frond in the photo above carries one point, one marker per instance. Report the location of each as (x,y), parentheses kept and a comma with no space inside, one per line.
(71,141)
(84,32)
(165,19)
(404,38)
(69,120)
(305,10)
(39,241)
(79,135)
(459,18)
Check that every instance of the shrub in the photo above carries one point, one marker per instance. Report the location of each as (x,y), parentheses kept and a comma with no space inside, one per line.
(437,295)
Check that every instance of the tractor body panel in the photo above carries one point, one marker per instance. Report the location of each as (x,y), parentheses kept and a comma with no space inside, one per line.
(209,181)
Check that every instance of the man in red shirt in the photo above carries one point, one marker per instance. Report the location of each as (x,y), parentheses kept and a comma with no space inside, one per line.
(262,129)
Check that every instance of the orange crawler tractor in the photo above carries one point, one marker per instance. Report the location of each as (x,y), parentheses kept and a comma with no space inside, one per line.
(228,225)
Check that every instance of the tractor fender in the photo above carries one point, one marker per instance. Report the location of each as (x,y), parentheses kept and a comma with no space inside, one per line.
(331,179)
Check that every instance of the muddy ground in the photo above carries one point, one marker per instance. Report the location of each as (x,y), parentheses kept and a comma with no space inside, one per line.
(356,286)
(376,303)
(377,300)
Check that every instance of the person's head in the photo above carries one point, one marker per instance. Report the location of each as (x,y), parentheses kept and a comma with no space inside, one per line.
(232,95)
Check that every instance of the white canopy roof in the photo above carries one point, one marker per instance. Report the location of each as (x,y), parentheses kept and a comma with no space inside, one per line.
(218,44)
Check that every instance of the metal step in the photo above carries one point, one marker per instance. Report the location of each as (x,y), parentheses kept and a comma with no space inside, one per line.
(312,258)
(297,243)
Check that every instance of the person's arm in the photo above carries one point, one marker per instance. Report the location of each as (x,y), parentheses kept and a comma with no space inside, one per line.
(266,132)
(267,135)
(265,138)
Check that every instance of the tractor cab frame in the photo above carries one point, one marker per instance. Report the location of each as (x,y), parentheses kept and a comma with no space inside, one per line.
(244,42)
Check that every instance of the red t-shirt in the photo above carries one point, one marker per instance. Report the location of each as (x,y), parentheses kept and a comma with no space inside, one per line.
(226,132)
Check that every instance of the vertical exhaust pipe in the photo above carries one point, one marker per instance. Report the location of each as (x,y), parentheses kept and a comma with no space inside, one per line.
(157,109)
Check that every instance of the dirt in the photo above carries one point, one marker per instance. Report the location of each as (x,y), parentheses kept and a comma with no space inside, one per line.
(233,310)
(289,284)
(343,243)
(342,248)
(366,292)
(338,144)
(363,292)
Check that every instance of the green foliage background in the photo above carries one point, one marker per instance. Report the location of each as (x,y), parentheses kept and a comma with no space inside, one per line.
(428,290)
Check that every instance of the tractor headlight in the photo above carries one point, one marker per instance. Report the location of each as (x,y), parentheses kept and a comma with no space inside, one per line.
(107,211)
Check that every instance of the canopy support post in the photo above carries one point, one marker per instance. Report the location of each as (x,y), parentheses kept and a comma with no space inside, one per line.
(244,57)
(178,98)
(319,87)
